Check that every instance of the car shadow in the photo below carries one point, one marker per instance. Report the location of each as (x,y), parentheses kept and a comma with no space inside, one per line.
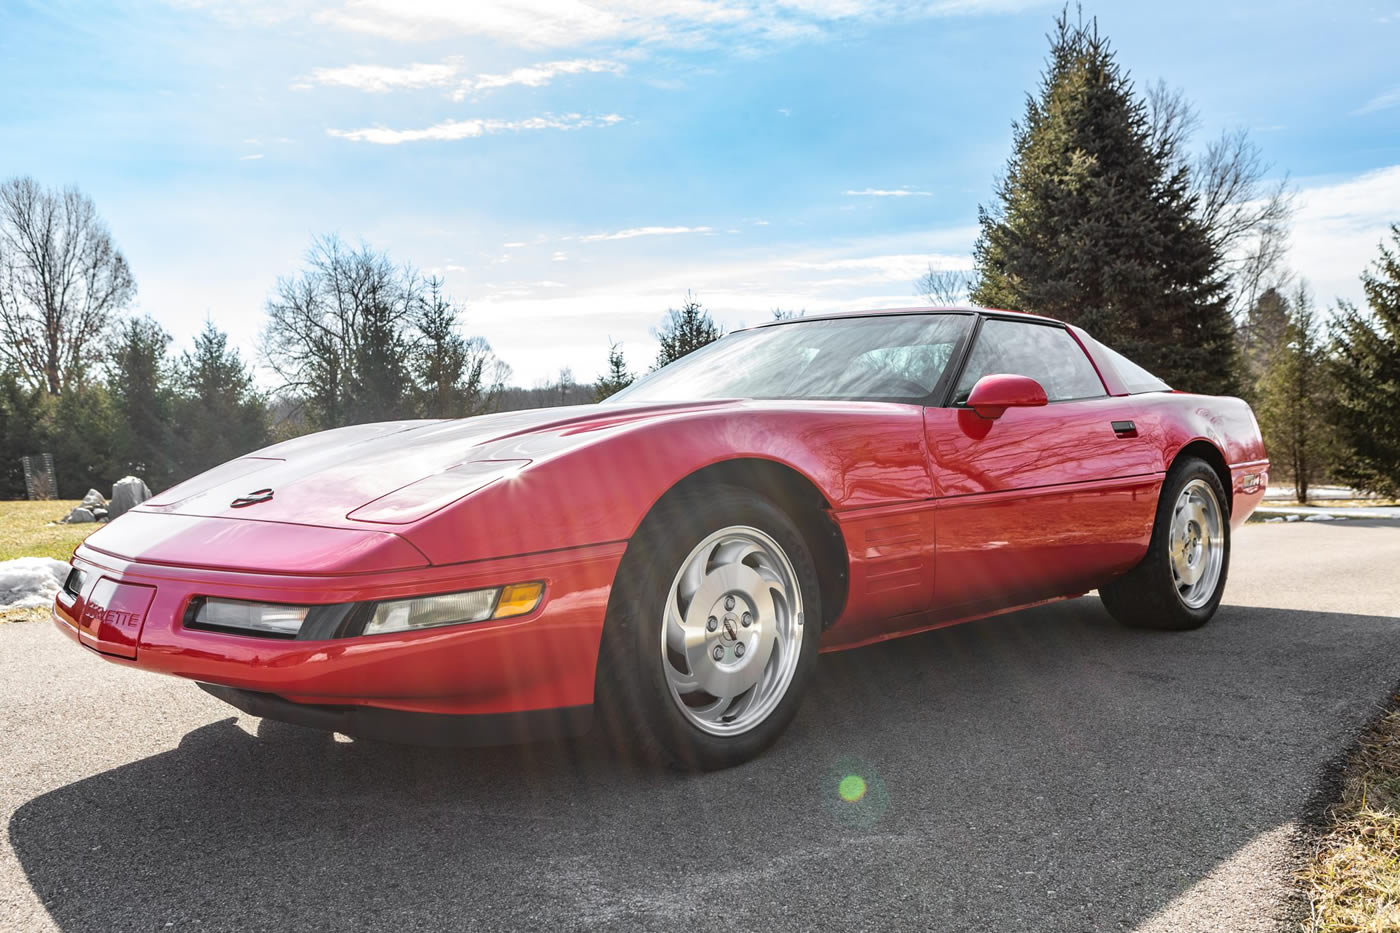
(1042,770)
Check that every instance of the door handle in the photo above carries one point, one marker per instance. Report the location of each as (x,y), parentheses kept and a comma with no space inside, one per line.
(1125,429)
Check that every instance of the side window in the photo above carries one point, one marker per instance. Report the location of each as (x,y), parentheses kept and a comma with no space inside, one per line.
(1044,352)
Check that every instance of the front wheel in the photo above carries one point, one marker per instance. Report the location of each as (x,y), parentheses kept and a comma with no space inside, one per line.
(712,630)
(1181,580)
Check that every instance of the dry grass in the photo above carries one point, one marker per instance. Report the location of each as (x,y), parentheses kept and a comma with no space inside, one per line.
(27,530)
(23,615)
(1353,880)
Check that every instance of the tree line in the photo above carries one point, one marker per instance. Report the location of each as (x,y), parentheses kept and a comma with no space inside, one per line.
(1105,217)
(353,337)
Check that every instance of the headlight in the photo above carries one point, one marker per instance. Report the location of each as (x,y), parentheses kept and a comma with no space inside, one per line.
(343,620)
(269,618)
(498,602)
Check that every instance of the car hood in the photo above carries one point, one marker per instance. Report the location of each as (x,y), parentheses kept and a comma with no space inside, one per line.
(320,479)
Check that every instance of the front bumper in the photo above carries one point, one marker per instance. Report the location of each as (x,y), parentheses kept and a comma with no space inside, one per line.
(388,725)
(132,612)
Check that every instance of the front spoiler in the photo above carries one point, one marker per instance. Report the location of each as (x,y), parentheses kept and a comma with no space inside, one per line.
(405,728)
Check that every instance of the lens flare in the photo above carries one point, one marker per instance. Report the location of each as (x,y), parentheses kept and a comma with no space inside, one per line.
(852,788)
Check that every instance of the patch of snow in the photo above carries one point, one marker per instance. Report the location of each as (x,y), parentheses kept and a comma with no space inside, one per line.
(1320,517)
(30,582)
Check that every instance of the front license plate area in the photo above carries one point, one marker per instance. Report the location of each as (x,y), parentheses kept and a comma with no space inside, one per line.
(112,616)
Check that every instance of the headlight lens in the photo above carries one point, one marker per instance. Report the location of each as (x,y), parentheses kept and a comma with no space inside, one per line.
(404,615)
(350,619)
(498,602)
(269,618)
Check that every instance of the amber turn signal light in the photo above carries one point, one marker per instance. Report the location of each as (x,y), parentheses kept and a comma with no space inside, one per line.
(518,599)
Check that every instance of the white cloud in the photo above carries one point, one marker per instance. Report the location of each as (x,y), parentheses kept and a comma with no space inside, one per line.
(635,232)
(470,129)
(537,75)
(559,257)
(1338,228)
(513,245)
(1385,101)
(250,158)
(377,79)
(546,23)
(888,193)
(380,78)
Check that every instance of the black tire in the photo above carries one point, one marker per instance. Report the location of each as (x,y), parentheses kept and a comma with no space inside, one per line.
(635,708)
(1147,596)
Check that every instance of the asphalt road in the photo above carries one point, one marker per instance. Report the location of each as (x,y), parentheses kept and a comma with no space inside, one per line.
(1041,771)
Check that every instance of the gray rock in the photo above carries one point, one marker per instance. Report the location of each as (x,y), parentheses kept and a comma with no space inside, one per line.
(127,492)
(100,514)
(94,500)
(80,516)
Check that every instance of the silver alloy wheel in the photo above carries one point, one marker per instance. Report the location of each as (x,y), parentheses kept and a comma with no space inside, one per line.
(1197,545)
(731,632)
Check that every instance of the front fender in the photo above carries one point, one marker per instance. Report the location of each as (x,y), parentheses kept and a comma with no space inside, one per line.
(596,484)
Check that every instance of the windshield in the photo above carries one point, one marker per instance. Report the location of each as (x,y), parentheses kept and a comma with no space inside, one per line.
(897,357)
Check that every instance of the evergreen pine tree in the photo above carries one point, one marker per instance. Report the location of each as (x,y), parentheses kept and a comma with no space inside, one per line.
(88,436)
(616,378)
(379,376)
(21,416)
(1093,223)
(1366,367)
(1293,391)
(219,414)
(142,399)
(457,377)
(1264,331)
(684,331)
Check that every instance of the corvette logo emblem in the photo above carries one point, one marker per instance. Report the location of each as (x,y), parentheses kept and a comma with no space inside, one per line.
(253,498)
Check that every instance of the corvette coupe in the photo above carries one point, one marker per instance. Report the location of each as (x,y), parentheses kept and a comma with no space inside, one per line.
(677,556)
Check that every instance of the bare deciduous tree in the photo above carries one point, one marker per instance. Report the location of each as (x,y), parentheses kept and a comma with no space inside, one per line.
(62,281)
(944,286)
(358,338)
(1173,119)
(318,324)
(1245,215)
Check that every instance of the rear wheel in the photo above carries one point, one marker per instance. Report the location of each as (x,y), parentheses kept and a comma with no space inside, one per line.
(1181,580)
(712,630)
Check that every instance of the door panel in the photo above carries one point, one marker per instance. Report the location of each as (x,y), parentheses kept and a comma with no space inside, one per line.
(1039,502)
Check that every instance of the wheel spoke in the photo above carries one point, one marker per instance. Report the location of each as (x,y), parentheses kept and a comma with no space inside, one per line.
(734,551)
(738,673)
(1196,543)
(713,712)
(680,636)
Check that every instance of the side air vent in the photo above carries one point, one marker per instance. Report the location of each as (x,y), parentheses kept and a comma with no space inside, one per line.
(894,555)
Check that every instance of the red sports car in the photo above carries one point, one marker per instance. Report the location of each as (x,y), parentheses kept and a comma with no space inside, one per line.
(677,556)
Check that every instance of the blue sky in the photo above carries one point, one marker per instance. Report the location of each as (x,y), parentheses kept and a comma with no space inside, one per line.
(572,167)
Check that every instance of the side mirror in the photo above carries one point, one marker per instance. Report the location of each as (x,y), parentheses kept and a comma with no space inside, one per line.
(994,394)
